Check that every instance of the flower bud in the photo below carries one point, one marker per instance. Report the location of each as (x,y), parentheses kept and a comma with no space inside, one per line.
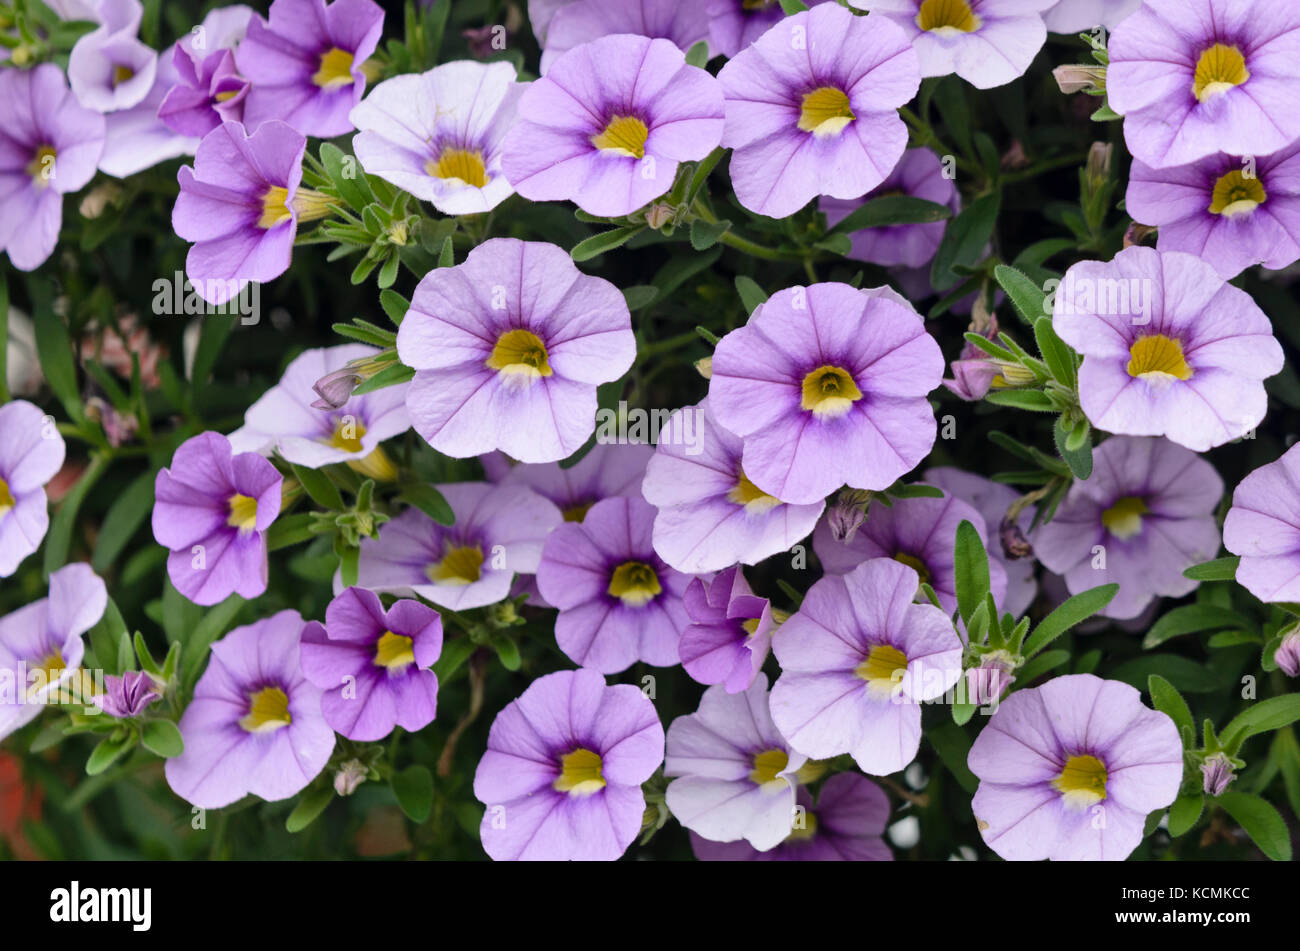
(350,775)
(847,513)
(1076,77)
(1287,655)
(1014,543)
(1216,773)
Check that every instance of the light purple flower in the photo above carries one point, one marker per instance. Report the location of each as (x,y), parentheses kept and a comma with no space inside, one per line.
(608,124)
(683,24)
(373,664)
(734,24)
(730,632)
(1263,527)
(41,646)
(49,147)
(509,347)
(846,824)
(618,601)
(608,470)
(439,135)
(254,726)
(1195,77)
(31,453)
(1232,212)
(1070,770)
(1149,505)
(826,385)
(304,64)
(110,68)
(986,42)
(540,14)
(812,108)
(736,773)
(1075,16)
(1169,349)
(920,533)
(710,514)
(207,89)
(498,532)
(136,138)
(212,509)
(127,696)
(563,770)
(857,660)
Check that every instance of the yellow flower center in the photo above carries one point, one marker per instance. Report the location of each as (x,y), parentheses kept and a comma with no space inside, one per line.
(243,513)
(808,830)
(51,668)
(1082,782)
(1219,69)
(309,204)
(825,112)
(394,652)
(634,583)
(829,392)
(754,499)
(460,565)
(347,434)
(625,136)
(41,167)
(1158,359)
(268,711)
(916,564)
(767,765)
(463,166)
(335,69)
(580,773)
(750,625)
(883,668)
(1124,518)
(947,17)
(577,512)
(1235,194)
(121,74)
(520,353)
(6,497)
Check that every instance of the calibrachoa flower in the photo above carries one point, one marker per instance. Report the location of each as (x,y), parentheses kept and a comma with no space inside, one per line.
(826,385)
(563,770)
(1169,348)
(1233,212)
(498,532)
(255,724)
(918,174)
(1195,77)
(284,418)
(857,660)
(1070,770)
(710,515)
(212,509)
(986,42)
(1075,16)
(608,470)
(736,773)
(683,24)
(509,347)
(1263,527)
(241,205)
(618,601)
(136,138)
(1150,505)
(812,108)
(304,64)
(730,632)
(734,24)
(41,646)
(49,147)
(918,532)
(128,695)
(30,454)
(608,124)
(110,68)
(439,135)
(207,90)
(373,664)
(847,824)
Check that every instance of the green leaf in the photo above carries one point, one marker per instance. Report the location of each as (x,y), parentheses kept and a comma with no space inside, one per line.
(1035,401)
(107,752)
(971,566)
(1166,698)
(413,788)
(144,656)
(429,501)
(891,210)
(4,335)
(394,305)
(447,256)
(1271,714)
(309,808)
(454,654)
(1218,569)
(212,337)
(605,241)
(347,175)
(125,653)
(698,54)
(1069,613)
(1187,675)
(1058,357)
(201,635)
(705,235)
(59,538)
(1189,619)
(322,491)
(388,376)
(1026,296)
(953,746)
(964,240)
(1035,668)
(162,738)
(54,350)
(290,530)
(1185,812)
(751,295)
(1261,822)
(124,518)
(1078,459)
(793,6)
(639,296)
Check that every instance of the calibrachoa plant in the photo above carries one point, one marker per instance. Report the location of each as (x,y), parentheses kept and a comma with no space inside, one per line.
(850,430)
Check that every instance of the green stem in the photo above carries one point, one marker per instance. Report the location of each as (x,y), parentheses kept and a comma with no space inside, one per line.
(733,240)
(1035,170)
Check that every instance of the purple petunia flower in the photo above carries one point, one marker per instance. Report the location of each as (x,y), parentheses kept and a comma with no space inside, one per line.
(736,773)
(618,601)
(857,660)
(826,385)
(212,509)
(1232,212)
(1144,515)
(1263,527)
(1196,77)
(1070,770)
(563,770)
(1075,16)
(509,347)
(986,42)
(711,515)
(373,665)
(136,138)
(812,108)
(683,24)
(608,124)
(41,646)
(49,147)
(127,696)
(110,68)
(304,64)
(285,420)
(735,24)
(608,470)
(31,453)
(208,90)
(254,726)
(730,632)
(498,532)
(1169,349)
(918,532)
(846,824)
(439,135)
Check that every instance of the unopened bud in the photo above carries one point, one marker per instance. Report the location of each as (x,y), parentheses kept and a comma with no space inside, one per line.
(1137,233)
(1287,655)
(847,514)
(705,367)
(1216,773)
(350,775)
(659,214)
(1076,77)
(1014,543)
